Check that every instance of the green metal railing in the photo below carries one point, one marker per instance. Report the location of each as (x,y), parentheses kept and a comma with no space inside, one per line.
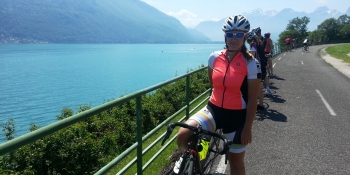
(52,128)
(276,49)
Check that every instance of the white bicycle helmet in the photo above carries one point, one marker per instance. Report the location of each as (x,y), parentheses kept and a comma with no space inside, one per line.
(257,30)
(251,34)
(236,22)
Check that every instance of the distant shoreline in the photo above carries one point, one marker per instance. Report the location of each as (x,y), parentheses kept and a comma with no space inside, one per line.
(213,42)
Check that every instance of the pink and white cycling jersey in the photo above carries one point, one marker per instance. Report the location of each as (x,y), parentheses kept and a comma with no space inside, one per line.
(230,88)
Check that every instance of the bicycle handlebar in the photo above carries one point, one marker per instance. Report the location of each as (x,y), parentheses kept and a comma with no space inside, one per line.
(198,130)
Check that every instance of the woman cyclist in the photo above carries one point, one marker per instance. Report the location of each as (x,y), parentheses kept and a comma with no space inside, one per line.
(253,40)
(305,44)
(235,76)
(268,51)
(263,61)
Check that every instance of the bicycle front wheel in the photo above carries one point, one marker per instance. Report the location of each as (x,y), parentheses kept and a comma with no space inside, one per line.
(186,165)
(216,145)
(190,165)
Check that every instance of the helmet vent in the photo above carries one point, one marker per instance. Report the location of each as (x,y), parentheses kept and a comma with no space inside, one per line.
(242,22)
(229,23)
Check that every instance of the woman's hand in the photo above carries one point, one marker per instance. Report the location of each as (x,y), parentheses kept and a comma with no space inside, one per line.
(246,136)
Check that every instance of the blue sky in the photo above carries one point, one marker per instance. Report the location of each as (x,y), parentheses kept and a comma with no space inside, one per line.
(192,12)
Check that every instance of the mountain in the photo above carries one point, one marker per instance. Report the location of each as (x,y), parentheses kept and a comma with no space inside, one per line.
(208,28)
(89,21)
(260,12)
(198,36)
(271,21)
(348,12)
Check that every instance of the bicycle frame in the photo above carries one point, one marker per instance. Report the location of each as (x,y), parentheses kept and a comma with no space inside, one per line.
(193,166)
(305,47)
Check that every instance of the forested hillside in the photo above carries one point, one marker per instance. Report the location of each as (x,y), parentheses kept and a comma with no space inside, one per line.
(89,21)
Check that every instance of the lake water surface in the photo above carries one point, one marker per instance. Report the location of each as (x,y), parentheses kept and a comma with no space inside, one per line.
(38,80)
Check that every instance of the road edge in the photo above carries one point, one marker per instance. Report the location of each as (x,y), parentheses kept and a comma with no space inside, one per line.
(339,64)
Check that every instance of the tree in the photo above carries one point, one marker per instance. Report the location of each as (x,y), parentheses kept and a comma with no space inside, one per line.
(299,24)
(9,129)
(331,28)
(318,36)
(285,34)
(296,28)
(345,32)
(344,19)
(344,22)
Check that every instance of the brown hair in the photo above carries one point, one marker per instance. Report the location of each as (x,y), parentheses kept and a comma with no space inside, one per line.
(246,54)
(258,40)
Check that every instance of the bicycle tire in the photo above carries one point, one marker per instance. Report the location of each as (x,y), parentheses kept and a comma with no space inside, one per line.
(190,170)
(216,144)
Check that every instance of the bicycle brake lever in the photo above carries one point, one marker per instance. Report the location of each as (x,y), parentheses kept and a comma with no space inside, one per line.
(168,133)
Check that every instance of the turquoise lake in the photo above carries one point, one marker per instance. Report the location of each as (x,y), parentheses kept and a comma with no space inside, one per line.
(38,80)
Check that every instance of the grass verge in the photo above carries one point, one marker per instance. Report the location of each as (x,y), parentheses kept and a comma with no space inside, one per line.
(340,51)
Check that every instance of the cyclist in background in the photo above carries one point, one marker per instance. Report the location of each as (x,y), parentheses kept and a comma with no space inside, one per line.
(305,44)
(253,41)
(296,42)
(263,61)
(268,51)
(235,77)
(287,40)
(293,43)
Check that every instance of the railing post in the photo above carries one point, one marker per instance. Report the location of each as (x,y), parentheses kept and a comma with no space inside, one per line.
(139,134)
(188,96)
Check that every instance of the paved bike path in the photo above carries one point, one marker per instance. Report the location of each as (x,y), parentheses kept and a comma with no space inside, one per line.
(306,129)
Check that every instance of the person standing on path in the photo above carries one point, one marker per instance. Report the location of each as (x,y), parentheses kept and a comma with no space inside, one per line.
(263,61)
(253,41)
(235,77)
(268,52)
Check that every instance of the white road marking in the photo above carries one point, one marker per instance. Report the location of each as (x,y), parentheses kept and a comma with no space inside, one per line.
(302,62)
(284,54)
(279,58)
(274,65)
(326,104)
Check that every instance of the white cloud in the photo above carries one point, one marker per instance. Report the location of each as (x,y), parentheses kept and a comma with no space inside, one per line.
(186,17)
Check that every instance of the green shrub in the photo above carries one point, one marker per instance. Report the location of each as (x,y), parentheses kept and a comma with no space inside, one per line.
(86,146)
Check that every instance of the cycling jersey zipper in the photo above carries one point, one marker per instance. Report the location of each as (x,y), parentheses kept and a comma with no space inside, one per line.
(223,94)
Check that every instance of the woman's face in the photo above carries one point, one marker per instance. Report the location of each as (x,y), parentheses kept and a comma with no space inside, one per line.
(235,39)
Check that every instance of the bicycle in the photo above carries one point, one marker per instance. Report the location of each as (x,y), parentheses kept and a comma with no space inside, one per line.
(287,48)
(305,48)
(191,163)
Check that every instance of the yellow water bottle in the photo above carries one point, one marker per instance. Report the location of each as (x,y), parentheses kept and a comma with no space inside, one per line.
(204,146)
